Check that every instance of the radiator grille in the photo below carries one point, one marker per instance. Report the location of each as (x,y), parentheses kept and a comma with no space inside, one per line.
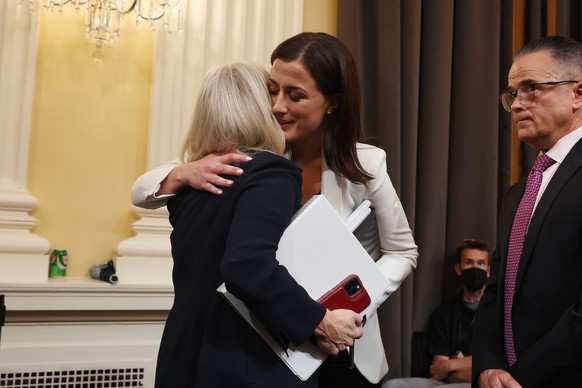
(89,378)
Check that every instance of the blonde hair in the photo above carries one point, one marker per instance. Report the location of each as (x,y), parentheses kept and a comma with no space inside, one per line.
(233,113)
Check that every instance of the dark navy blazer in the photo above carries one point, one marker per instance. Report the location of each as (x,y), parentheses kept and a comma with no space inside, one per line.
(233,238)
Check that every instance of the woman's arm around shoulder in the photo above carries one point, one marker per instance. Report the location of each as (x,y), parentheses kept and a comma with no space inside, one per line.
(154,188)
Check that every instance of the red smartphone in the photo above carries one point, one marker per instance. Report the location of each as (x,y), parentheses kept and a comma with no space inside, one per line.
(347,294)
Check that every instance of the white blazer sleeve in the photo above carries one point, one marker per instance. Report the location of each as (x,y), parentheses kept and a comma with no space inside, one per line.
(399,252)
(143,191)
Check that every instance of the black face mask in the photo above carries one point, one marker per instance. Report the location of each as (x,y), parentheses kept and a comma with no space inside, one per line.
(474,278)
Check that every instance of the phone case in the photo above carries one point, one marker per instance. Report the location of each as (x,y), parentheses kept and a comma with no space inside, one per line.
(350,294)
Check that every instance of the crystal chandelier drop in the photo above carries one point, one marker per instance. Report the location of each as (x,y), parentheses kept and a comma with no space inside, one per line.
(103,17)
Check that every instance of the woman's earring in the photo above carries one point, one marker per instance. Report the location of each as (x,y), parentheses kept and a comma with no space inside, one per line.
(329,112)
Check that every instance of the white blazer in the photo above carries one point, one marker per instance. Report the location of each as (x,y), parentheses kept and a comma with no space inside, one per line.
(398,251)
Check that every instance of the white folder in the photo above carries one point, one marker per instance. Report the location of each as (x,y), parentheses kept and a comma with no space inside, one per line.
(319,250)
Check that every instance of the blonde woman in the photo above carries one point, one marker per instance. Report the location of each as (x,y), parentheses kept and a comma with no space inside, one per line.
(233,238)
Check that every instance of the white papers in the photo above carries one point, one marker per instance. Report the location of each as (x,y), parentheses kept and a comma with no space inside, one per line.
(319,251)
(358,216)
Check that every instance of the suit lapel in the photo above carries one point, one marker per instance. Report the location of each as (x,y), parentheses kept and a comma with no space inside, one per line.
(567,168)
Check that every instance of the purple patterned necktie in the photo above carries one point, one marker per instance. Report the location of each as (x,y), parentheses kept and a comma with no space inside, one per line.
(518,231)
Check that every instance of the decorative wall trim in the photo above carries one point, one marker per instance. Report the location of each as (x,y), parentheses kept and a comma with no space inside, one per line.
(81,327)
(112,376)
(81,294)
(75,351)
(22,253)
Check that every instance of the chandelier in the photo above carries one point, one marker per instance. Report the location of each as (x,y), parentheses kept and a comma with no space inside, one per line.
(103,17)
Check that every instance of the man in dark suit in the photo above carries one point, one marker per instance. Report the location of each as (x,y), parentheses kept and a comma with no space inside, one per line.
(528,328)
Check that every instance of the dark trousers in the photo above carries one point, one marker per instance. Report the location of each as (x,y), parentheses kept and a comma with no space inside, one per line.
(335,373)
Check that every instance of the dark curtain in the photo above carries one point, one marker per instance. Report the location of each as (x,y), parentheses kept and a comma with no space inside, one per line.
(568,17)
(431,74)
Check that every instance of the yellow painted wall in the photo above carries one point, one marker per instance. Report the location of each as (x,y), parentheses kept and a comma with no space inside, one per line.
(89,132)
(88,137)
(320,16)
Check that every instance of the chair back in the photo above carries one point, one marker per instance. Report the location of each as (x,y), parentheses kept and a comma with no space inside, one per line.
(420,359)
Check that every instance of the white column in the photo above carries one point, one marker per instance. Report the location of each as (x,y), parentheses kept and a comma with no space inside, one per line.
(23,255)
(214,32)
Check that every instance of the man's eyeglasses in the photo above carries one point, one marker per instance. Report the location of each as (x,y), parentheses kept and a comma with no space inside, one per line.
(526,93)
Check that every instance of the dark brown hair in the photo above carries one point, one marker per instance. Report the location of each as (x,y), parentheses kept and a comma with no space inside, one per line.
(333,68)
(566,52)
(470,243)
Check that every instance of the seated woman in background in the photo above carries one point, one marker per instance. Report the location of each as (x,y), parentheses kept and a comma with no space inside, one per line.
(233,238)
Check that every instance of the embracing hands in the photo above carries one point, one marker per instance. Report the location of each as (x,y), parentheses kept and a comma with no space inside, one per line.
(203,174)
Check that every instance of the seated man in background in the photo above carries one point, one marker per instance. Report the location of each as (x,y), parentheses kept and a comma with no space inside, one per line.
(451,325)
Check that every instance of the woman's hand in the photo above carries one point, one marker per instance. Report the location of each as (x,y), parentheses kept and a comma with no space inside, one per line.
(203,174)
(338,330)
